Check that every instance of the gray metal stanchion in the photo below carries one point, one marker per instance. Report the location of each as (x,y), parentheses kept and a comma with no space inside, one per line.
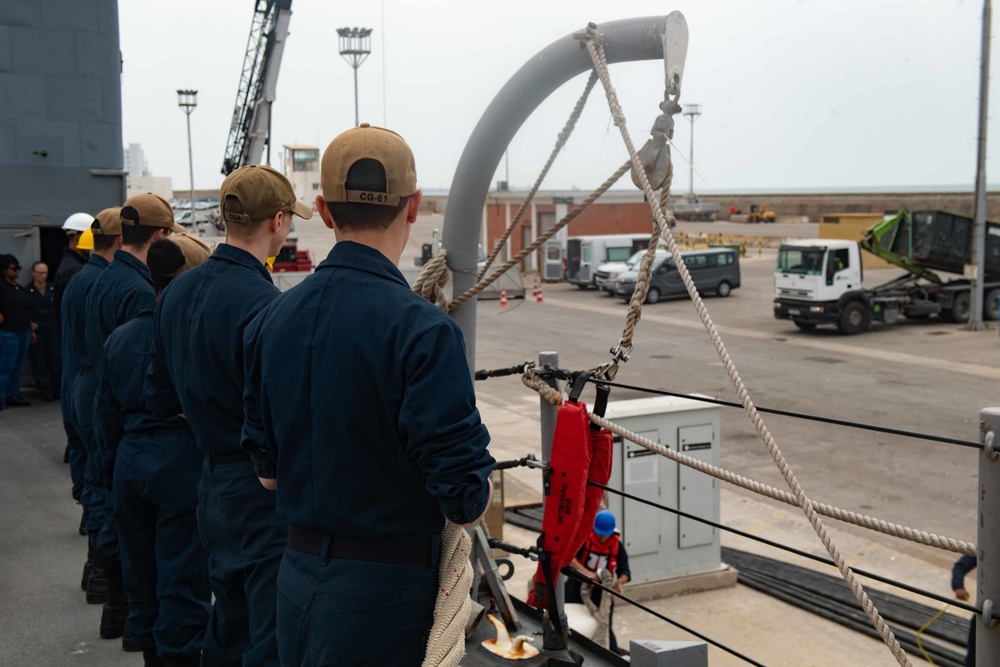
(549,413)
(988,570)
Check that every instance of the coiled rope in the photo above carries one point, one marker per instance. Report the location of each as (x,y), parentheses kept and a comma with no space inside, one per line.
(593,40)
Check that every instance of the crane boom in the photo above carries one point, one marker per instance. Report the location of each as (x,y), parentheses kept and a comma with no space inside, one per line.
(251,127)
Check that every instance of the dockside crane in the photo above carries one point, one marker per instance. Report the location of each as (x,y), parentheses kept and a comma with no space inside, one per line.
(251,128)
(250,132)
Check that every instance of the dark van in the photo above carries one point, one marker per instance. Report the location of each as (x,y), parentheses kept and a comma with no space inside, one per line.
(713,270)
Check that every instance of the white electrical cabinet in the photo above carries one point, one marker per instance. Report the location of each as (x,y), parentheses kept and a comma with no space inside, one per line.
(662,545)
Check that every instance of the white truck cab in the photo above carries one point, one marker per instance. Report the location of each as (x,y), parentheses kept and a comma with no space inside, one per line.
(815,282)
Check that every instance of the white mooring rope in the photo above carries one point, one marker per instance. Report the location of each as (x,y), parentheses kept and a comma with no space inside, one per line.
(446,642)
(593,40)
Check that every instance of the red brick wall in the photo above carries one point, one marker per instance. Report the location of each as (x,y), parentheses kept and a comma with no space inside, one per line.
(597,219)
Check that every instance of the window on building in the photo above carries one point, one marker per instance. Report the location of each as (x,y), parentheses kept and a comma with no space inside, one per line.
(305,159)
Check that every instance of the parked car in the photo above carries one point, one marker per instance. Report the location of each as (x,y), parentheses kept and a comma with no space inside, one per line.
(713,270)
(608,273)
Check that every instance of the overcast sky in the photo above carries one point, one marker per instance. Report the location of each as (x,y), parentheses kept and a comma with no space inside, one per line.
(795,93)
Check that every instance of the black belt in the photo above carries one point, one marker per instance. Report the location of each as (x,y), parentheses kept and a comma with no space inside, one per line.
(223,459)
(417,551)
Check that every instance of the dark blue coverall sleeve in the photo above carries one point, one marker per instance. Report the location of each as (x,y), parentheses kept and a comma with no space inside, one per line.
(158,389)
(108,429)
(962,567)
(254,439)
(451,453)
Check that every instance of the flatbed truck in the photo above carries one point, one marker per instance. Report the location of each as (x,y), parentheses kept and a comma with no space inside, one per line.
(818,281)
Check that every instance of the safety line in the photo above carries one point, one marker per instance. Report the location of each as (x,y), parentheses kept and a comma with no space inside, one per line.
(485,374)
(579,576)
(802,415)
(872,523)
(797,552)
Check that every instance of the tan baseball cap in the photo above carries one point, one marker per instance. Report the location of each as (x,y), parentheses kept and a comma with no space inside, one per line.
(108,222)
(195,252)
(262,191)
(374,143)
(149,210)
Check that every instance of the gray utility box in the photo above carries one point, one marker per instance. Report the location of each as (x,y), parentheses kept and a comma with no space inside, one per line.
(662,545)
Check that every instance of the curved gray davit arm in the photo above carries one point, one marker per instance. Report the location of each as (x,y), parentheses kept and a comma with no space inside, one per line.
(624,41)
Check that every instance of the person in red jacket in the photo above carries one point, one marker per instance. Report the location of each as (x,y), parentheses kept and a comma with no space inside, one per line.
(603,550)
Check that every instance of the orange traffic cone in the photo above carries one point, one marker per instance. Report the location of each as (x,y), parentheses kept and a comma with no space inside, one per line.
(503,296)
(538,292)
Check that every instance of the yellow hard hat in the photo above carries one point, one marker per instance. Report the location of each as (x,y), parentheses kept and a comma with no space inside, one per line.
(269,263)
(86,241)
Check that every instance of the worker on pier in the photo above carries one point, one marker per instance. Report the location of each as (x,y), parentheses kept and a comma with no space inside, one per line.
(361,413)
(603,550)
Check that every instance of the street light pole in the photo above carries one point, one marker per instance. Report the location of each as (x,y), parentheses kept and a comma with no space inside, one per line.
(975,322)
(692,111)
(355,45)
(188,100)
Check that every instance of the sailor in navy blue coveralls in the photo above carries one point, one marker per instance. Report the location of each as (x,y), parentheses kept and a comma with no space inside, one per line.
(73,327)
(360,406)
(377,438)
(117,296)
(155,494)
(196,367)
(75,360)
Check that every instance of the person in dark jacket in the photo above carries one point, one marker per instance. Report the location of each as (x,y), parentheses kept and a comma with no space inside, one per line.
(196,368)
(79,241)
(116,297)
(84,469)
(962,567)
(360,412)
(15,332)
(43,353)
(156,473)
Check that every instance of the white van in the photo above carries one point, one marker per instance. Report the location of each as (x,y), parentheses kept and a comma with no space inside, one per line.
(585,253)
(606,274)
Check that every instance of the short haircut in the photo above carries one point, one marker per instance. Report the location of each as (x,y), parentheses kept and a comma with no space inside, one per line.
(365,174)
(165,258)
(7,261)
(104,242)
(135,235)
(241,230)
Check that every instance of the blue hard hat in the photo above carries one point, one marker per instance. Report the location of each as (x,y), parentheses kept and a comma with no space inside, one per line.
(604,523)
